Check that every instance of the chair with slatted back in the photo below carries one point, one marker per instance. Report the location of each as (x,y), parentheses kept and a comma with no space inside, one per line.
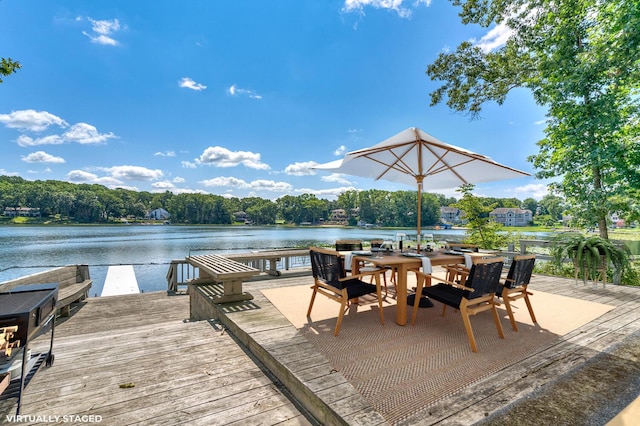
(331,281)
(515,285)
(475,296)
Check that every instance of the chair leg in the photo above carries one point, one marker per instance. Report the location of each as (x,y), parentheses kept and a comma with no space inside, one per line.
(313,298)
(384,278)
(468,329)
(416,302)
(507,304)
(496,319)
(528,302)
(343,307)
(379,294)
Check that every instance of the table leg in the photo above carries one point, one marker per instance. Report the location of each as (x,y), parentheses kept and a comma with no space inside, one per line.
(401,289)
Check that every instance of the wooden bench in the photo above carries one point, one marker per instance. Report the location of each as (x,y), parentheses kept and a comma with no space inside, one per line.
(73,282)
(213,268)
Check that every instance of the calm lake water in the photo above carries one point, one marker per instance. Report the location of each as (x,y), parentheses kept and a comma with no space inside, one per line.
(25,250)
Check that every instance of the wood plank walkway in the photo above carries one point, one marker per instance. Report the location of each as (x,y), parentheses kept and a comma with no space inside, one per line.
(133,359)
(208,372)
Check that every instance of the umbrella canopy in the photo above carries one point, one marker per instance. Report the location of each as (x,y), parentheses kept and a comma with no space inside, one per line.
(414,157)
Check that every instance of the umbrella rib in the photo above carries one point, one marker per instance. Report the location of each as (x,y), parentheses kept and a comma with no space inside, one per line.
(399,164)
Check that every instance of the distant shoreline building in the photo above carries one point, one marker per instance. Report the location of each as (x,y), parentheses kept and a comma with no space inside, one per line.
(22,212)
(451,215)
(158,214)
(512,216)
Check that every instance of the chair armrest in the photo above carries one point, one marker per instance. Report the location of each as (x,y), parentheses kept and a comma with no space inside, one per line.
(362,274)
(451,283)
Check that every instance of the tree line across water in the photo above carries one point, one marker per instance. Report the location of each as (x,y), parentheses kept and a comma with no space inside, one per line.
(93,203)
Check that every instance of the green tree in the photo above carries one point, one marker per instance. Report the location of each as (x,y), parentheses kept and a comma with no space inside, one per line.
(481,228)
(262,212)
(552,205)
(580,59)
(530,204)
(8,67)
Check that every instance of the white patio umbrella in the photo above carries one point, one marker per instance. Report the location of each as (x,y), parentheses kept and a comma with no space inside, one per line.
(414,157)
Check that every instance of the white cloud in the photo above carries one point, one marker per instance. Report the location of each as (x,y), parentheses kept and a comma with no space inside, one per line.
(102,31)
(269,185)
(222,181)
(81,176)
(42,157)
(5,172)
(329,193)
(256,185)
(24,140)
(533,190)
(163,185)
(235,91)
(38,121)
(165,154)
(134,173)
(301,169)
(222,157)
(188,83)
(340,151)
(336,178)
(188,165)
(358,6)
(32,120)
(178,179)
(495,38)
(84,133)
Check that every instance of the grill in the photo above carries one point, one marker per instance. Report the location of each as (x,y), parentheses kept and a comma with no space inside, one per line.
(30,308)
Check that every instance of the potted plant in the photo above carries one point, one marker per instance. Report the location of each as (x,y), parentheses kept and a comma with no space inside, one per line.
(590,254)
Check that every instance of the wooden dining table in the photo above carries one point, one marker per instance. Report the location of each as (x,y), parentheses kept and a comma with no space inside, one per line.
(403,264)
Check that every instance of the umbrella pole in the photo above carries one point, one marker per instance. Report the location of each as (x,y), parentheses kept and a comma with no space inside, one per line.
(419,212)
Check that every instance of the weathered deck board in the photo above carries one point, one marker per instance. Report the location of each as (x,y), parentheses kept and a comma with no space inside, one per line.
(183,372)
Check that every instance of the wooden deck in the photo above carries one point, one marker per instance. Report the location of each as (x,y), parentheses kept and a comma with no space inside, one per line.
(200,372)
(133,359)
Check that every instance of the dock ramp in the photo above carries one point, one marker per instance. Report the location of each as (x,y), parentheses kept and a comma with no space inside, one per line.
(121,279)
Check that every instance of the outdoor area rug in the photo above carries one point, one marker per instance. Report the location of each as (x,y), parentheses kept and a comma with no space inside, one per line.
(403,370)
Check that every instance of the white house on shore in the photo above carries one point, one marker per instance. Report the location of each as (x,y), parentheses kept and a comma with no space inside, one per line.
(22,211)
(158,214)
(512,216)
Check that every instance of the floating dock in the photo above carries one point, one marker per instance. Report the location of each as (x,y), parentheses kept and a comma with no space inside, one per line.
(121,279)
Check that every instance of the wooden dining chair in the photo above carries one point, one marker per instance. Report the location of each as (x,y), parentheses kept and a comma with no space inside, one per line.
(475,296)
(330,280)
(458,273)
(515,286)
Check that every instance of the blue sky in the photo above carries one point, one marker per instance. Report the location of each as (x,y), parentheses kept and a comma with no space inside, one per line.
(238,98)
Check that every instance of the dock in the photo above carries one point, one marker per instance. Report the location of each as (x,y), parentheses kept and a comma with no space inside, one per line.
(121,279)
(137,359)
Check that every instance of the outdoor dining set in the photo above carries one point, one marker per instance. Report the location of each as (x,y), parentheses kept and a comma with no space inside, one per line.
(473,282)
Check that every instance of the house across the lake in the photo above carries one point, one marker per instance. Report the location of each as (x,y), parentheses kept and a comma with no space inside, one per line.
(512,216)
(22,211)
(158,214)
